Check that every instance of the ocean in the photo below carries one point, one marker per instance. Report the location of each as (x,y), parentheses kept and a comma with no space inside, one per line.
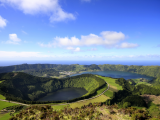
(143,63)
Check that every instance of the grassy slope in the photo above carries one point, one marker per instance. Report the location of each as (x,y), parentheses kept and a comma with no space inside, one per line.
(7,116)
(5,104)
(1,96)
(113,87)
(101,98)
(59,107)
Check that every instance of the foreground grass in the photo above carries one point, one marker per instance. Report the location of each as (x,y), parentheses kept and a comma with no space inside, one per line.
(95,111)
(6,104)
(59,107)
(101,98)
(5,116)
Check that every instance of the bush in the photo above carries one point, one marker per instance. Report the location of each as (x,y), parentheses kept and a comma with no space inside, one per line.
(126,104)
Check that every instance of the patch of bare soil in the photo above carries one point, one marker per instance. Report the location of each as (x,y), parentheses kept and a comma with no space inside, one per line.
(155,99)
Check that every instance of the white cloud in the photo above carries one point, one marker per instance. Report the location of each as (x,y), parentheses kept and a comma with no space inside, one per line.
(111,37)
(127,45)
(106,38)
(49,7)
(3,22)
(77,49)
(13,55)
(20,55)
(13,39)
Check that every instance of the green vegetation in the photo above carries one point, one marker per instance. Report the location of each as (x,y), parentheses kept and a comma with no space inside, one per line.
(42,72)
(21,86)
(101,98)
(96,111)
(4,104)
(139,81)
(154,110)
(101,90)
(109,93)
(113,86)
(5,116)
(121,96)
(131,94)
(111,82)
(59,107)
(2,97)
(153,71)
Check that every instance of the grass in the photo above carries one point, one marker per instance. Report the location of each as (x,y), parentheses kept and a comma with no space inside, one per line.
(5,104)
(101,98)
(2,97)
(101,90)
(2,81)
(111,82)
(59,107)
(5,116)
(109,93)
(113,87)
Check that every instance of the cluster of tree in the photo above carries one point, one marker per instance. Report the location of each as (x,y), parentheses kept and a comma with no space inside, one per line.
(26,67)
(42,72)
(145,89)
(132,82)
(15,107)
(23,87)
(153,71)
(129,96)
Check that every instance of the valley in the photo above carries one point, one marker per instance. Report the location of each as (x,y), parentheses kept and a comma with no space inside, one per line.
(38,82)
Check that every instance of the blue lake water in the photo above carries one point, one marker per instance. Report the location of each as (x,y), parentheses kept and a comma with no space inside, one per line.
(117,74)
(64,94)
(71,93)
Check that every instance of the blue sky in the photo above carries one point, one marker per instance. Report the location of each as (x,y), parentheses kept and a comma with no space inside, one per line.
(79,30)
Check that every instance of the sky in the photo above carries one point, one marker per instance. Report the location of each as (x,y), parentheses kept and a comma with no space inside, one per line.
(86,30)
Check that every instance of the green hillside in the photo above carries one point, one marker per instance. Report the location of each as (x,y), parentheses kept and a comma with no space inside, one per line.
(27,87)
